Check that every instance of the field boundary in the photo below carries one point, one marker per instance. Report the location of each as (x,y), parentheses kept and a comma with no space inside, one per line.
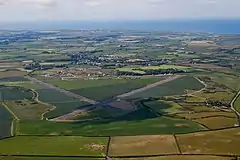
(132,156)
(108,148)
(177,144)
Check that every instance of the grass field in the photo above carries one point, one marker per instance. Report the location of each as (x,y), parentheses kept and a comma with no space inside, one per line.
(182,157)
(175,87)
(143,145)
(111,90)
(13,79)
(14,93)
(124,125)
(163,67)
(211,142)
(133,70)
(98,113)
(53,96)
(198,108)
(140,70)
(13,73)
(218,122)
(165,107)
(5,123)
(53,146)
(81,84)
(44,158)
(237,104)
(217,96)
(206,114)
(64,108)
(27,85)
(26,109)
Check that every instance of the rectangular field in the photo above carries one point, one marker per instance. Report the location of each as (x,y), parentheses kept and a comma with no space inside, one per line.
(181,157)
(44,158)
(211,142)
(124,125)
(53,146)
(5,122)
(218,122)
(207,114)
(143,145)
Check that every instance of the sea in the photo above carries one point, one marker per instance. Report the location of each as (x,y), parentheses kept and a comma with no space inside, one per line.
(208,26)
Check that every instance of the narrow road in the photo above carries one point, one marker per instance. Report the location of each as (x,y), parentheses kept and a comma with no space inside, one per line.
(68,93)
(150,86)
(232,106)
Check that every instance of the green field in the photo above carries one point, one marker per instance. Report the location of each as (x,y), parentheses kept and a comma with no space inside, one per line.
(27,85)
(64,108)
(198,108)
(25,109)
(123,125)
(52,96)
(104,89)
(181,157)
(237,104)
(44,158)
(54,146)
(98,113)
(211,142)
(165,107)
(163,67)
(175,87)
(14,93)
(13,79)
(5,123)
(199,115)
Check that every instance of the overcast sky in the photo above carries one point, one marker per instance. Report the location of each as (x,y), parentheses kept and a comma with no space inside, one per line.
(92,10)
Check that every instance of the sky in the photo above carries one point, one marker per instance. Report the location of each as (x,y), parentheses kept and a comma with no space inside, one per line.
(105,10)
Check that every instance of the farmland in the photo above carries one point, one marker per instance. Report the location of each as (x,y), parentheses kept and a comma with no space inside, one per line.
(44,158)
(180,157)
(5,123)
(212,142)
(104,89)
(25,109)
(15,93)
(22,145)
(118,95)
(143,145)
(175,87)
(158,125)
(165,107)
(64,108)
(237,104)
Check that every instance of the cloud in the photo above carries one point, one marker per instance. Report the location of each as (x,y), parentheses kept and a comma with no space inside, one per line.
(92,3)
(37,3)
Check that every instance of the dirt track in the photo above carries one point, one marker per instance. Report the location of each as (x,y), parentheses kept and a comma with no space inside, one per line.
(150,86)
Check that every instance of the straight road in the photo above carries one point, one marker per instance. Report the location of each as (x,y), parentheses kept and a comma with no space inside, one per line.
(150,86)
(68,93)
